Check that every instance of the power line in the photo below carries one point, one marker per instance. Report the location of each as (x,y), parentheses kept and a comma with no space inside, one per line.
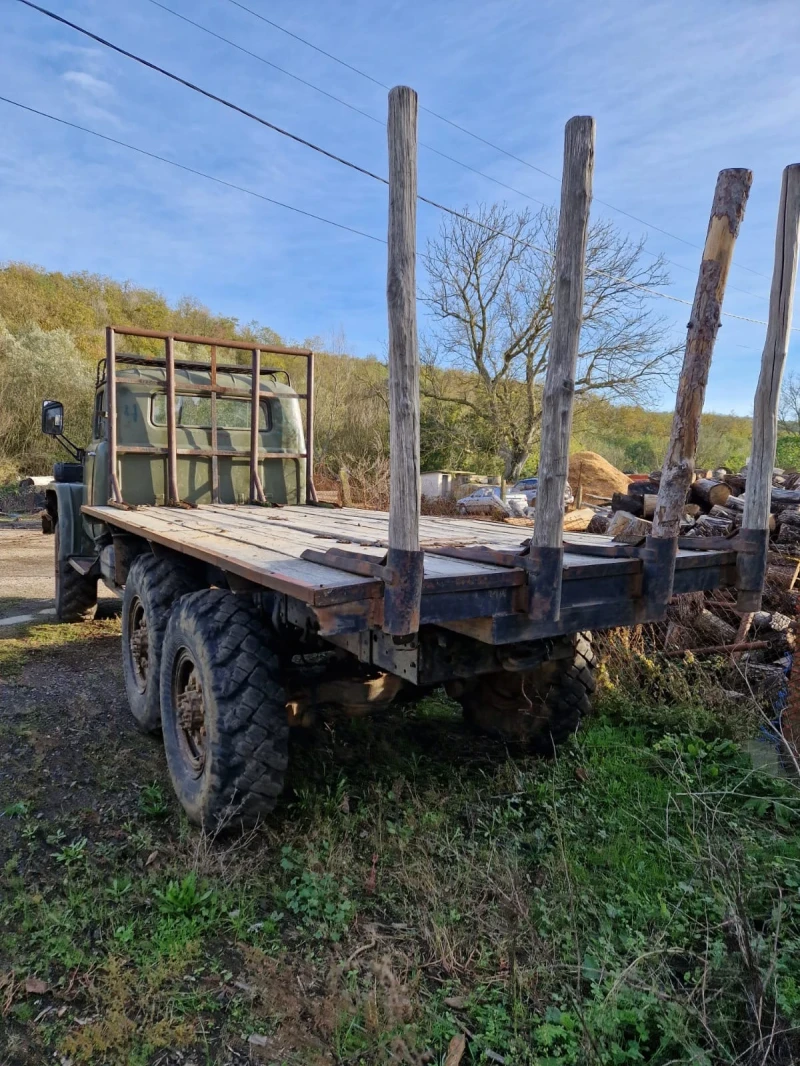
(328,221)
(344,103)
(346,162)
(192,170)
(203,92)
(476,136)
(380,122)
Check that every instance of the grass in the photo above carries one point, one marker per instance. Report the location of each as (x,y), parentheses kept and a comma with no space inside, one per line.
(636,900)
(42,637)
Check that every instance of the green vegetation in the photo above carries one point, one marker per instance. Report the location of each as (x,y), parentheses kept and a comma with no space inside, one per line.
(51,337)
(787,454)
(16,651)
(635,900)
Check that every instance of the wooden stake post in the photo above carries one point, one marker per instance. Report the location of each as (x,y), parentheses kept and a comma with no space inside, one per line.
(404,562)
(727,211)
(730,197)
(546,553)
(752,561)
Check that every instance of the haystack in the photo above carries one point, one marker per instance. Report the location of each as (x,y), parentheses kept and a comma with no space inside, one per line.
(597,476)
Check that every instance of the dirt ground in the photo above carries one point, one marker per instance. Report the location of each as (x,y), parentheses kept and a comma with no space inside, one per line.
(26,576)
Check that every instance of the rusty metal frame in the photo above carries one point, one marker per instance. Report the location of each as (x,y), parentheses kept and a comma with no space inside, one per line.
(213,389)
(214,428)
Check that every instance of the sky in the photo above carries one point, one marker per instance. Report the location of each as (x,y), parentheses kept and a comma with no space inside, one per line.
(679,91)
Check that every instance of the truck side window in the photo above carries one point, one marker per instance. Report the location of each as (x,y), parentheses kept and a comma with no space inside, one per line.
(100,420)
(194,412)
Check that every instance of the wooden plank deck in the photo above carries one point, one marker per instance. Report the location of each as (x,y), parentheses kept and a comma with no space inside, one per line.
(265,545)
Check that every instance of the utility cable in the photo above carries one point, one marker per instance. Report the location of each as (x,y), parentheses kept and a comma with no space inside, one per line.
(203,92)
(192,170)
(346,162)
(380,122)
(344,103)
(475,136)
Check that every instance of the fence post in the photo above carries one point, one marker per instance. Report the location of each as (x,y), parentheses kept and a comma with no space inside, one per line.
(404,560)
(752,560)
(559,386)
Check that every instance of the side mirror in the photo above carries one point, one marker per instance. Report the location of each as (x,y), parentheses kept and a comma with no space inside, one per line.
(52,418)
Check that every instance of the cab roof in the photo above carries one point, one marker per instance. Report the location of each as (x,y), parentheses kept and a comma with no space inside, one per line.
(154,371)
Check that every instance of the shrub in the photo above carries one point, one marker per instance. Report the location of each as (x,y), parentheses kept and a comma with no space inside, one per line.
(35,365)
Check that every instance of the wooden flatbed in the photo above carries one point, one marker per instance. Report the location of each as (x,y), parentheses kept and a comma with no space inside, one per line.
(329,558)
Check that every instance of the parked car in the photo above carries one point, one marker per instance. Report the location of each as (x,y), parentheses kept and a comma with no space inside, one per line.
(486,500)
(529,486)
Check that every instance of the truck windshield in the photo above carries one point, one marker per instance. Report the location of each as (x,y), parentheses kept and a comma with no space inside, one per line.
(194,412)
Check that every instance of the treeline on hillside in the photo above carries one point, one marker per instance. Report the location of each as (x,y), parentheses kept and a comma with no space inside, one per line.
(52,335)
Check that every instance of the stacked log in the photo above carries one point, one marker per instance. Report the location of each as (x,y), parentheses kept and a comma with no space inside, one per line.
(599,522)
(706,492)
(710,526)
(630,502)
(627,528)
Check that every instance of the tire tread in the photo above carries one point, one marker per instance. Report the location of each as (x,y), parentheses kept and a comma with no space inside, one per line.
(249,753)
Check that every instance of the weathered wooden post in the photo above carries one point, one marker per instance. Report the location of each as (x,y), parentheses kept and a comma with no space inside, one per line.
(727,211)
(404,560)
(754,534)
(546,553)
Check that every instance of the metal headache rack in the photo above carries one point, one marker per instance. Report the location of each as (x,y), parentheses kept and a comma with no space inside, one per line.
(107,370)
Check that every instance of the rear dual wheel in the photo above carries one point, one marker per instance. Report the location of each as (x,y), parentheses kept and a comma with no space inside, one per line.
(540,709)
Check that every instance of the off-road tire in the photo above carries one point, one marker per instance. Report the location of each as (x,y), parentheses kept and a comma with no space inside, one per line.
(152,588)
(76,595)
(540,709)
(230,771)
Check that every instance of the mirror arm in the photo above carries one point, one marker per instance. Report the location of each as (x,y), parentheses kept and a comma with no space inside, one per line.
(78,454)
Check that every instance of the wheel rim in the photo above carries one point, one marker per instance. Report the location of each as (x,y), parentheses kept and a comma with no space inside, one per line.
(138,642)
(187,699)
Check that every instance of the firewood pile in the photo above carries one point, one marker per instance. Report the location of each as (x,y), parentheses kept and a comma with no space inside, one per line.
(703,622)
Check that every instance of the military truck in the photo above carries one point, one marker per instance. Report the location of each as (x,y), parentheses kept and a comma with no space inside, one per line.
(248,608)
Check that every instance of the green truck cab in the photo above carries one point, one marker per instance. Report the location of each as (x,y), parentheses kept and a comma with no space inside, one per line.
(141,430)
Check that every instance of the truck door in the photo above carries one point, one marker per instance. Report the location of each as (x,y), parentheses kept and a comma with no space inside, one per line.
(95,471)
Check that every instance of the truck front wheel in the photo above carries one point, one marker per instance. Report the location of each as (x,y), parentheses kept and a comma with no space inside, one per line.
(151,590)
(223,710)
(76,595)
(540,708)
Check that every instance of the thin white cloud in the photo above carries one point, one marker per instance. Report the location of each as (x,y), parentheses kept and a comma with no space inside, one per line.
(88,82)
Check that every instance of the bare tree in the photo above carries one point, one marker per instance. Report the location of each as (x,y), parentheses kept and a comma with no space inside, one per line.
(490,291)
(789,410)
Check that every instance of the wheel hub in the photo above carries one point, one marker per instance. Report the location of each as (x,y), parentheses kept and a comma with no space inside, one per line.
(139,643)
(190,709)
